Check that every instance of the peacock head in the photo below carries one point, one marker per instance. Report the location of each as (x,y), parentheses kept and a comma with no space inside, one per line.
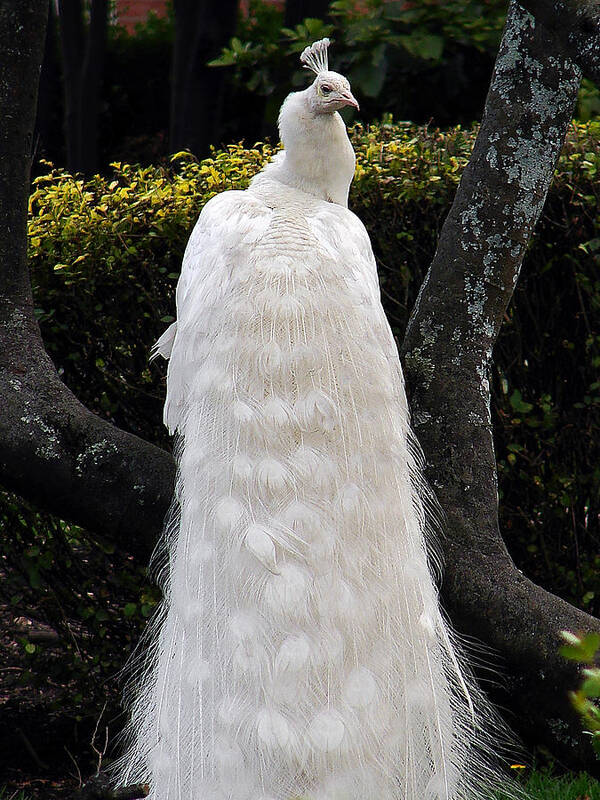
(330,91)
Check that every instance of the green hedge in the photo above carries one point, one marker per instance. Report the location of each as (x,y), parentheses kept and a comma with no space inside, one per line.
(105,257)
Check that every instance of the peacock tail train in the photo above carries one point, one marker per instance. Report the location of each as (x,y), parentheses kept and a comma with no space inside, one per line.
(300,650)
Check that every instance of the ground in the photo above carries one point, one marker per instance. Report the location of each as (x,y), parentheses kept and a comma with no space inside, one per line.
(42,739)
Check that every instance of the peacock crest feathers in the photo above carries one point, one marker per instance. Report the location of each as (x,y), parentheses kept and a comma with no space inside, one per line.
(315,58)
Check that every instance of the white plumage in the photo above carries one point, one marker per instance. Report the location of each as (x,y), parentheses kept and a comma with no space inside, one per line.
(300,650)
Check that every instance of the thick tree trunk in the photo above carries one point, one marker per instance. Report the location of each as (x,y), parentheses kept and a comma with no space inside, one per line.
(91,84)
(46,128)
(297,10)
(22,37)
(70,16)
(53,450)
(83,51)
(575,26)
(202,28)
(447,353)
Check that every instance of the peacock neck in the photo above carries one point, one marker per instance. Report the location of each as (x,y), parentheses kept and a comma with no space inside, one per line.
(318,157)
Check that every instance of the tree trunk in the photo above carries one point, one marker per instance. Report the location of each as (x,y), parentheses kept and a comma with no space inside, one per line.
(46,125)
(70,16)
(83,50)
(297,10)
(447,352)
(91,84)
(197,91)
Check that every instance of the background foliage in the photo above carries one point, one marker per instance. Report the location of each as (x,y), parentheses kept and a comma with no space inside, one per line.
(428,62)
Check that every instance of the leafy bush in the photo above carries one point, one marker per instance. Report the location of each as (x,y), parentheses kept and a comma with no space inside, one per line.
(585,650)
(104,259)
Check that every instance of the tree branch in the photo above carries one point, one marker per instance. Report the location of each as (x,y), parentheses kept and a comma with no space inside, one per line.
(447,352)
(59,455)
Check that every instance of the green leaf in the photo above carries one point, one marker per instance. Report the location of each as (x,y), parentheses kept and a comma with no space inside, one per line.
(591,685)
(130,609)
(518,404)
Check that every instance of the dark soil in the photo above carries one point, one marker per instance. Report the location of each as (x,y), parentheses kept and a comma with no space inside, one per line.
(45,743)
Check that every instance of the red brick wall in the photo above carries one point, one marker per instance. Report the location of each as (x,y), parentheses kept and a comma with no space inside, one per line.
(129,12)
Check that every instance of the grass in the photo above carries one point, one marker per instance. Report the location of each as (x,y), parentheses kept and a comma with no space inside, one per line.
(544,785)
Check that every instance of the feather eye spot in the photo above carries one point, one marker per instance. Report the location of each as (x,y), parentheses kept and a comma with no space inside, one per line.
(273,729)
(243,413)
(293,654)
(244,625)
(419,695)
(301,518)
(350,499)
(272,476)
(276,413)
(259,542)
(198,673)
(242,467)
(190,612)
(270,359)
(228,756)
(250,660)
(360,688)
(287,591)
(202,552)
(316,411)
(290,308)
(212,379)
(228,512)
(326,731)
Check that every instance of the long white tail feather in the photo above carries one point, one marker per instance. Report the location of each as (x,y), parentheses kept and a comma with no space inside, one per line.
(300,650)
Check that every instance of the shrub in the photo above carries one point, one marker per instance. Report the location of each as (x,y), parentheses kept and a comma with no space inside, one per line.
(585,650)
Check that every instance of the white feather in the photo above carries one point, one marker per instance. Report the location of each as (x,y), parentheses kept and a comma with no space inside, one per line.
(316,411)
(327,731)
(258,541)
(293,654)
(228,512)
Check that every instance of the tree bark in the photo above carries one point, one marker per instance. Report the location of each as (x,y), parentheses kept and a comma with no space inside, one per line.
(575,26)
(83,51)
(447,352)
(91,84)
(202,28)
(53,450)
(70,16)
(297,10)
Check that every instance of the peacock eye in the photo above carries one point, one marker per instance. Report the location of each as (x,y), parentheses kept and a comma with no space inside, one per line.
(326,89)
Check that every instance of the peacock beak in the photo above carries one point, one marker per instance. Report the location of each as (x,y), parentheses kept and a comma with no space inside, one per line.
(348,99)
